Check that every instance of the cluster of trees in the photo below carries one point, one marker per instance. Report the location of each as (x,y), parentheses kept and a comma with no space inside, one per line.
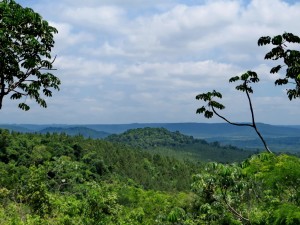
(152,137)
(264,189)
(175,144)
(59,179)
(100,158)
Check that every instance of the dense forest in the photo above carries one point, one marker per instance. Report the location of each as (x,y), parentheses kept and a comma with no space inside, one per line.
(279,138)
(61,179)
(147,176)
(175,144)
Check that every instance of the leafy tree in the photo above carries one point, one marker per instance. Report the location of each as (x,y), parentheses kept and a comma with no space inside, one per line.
(291,59)
(262,190)
(26,41)
(101,205)
(210,109)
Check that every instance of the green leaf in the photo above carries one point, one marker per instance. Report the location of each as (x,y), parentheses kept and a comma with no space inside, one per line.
(216,105)
(245,76)
(291,94)
(208,114)
(47,92)
(289,37)
(275,69)
(241,87)
(277,40)
(264,40)
(200,110)
(205,96)
(216,94)
(24,106)
(281,81)
(233,79)
(16,96)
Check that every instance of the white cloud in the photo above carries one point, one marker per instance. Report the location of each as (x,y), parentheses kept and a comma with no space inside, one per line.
(84,67)
(68,38)
(102,17)
(146,60)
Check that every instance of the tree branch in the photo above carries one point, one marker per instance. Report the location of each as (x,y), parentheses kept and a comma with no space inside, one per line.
(240,216)
(232,123)
(254,123)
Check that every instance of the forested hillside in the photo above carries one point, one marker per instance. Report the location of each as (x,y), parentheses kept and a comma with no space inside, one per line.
(60,179)
(279,138)
(101,158)
(175,144)
(75,130)
(146,174)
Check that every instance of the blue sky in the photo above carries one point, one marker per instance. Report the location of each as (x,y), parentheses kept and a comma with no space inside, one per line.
(128,61)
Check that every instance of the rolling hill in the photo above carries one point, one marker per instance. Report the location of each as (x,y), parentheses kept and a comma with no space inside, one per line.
(175,144)
(280,138)
(72,131)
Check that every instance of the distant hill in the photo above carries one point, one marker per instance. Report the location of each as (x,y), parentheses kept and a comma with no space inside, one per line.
(153,137)
(163,141)
(205,130)
(279,138)
(72,131)
(16,128)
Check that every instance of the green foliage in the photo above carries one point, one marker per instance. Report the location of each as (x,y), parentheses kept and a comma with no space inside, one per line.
(35,192)
(63,180)
(209,110)
(26,41)
(286,214)
(147,138)
(261,190)
(290,58)
(100,204)
(208,97)
(174,144)
(68,161)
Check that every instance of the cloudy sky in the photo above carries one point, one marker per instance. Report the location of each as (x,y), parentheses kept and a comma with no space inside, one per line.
(133,61)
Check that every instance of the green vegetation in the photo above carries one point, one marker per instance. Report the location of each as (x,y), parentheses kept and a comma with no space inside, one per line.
(144,176)
(100,158)
(262,190)
(290,58)
(279,138)
(60,179)
(175,144)
(148,138)
(73,131)
(26,41)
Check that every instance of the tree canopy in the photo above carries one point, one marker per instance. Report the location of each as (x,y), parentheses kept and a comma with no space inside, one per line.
(26,41)
(59,179)
(291,60)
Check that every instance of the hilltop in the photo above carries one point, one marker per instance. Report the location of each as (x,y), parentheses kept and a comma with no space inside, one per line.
(163,141)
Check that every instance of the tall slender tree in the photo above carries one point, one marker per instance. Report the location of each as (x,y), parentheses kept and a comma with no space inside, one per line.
(280,50)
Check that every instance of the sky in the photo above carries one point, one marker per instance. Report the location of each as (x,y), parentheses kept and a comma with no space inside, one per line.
(142,61)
